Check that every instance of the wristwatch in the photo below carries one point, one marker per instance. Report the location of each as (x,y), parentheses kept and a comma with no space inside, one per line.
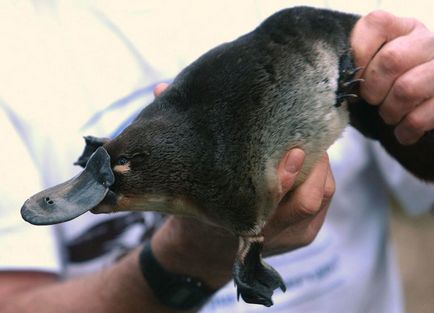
(180,292)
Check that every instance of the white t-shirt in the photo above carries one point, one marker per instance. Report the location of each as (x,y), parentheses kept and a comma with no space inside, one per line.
(76,69)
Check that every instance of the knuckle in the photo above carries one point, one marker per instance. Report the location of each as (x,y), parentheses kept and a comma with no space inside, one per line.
(390,58)
(405,90)
(416,23)
(370,95)
(379,18)
(310,204)
(414,122)
(329,191)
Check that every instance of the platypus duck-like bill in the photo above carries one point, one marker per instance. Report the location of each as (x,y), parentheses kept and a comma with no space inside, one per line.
(74,197)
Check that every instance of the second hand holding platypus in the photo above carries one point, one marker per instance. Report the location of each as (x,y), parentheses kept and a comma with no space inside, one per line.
(209,146)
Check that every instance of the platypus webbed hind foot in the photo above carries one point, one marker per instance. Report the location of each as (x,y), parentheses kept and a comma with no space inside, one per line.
(255,279)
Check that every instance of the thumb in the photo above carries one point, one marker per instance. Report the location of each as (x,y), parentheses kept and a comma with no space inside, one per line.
(289,167)
(160,88)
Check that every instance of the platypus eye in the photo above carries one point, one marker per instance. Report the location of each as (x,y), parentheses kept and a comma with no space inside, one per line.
(121,161)
(138,157)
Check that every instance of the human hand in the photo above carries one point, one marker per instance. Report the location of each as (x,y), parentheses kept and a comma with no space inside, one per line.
(397,56)
(302,211)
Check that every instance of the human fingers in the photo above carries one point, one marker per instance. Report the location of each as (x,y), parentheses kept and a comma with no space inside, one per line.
(373,30)
(301,203)
(408,91)
(305,201)
(160,88)
(393,60)
(288,169)
(303,231)
(416,123)
(317,220)
(393,46)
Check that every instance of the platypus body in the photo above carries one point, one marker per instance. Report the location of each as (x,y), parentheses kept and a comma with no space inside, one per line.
(209,145)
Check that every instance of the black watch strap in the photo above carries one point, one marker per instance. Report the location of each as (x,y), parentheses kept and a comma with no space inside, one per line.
(177,291)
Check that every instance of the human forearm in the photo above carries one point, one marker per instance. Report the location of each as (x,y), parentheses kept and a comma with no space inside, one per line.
(119,288)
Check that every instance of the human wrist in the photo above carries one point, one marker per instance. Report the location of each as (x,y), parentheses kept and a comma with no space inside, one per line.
(123,286)
(187,247)
(175,291)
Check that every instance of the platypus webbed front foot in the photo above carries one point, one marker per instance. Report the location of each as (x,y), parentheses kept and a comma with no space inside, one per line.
(255,280)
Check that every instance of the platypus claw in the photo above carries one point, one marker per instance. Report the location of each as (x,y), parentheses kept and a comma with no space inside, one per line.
(352,71)
(255,279)
(352,82)
(92,143)
(347,84)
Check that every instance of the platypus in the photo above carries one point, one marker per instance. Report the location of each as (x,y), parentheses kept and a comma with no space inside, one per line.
(208,147)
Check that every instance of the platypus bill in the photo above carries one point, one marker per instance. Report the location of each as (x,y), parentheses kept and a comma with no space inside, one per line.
(209,145)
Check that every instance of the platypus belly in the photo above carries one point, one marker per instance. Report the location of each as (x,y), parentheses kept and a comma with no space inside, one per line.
(309,121)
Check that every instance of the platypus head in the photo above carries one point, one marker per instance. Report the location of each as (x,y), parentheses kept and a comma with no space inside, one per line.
(152,159)
(148,163)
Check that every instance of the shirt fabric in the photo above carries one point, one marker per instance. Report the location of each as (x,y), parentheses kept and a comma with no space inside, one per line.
(82,68)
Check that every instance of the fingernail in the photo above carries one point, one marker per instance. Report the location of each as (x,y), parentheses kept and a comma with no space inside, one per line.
(294,160)
(405,136)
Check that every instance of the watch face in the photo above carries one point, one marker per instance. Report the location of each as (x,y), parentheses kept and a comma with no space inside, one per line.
(180,295)
(184,292)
